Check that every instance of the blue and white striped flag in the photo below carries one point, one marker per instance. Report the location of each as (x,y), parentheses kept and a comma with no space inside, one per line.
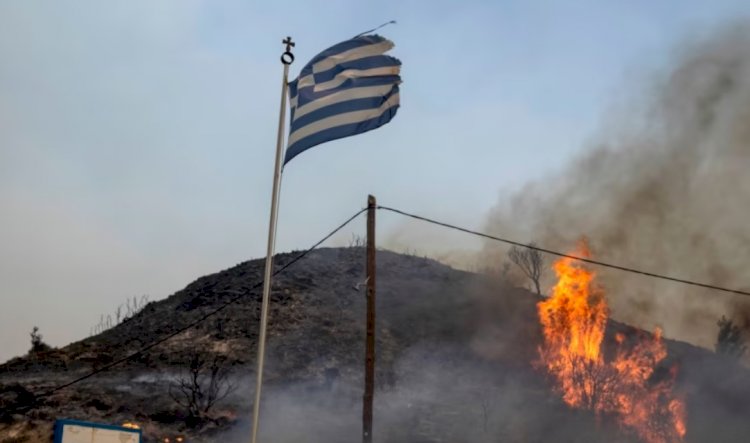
(349,88)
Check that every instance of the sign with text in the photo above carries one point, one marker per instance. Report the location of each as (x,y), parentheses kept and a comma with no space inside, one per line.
(74,431)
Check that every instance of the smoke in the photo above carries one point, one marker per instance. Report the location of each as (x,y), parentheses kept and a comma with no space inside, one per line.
(455,249)
(452,365)
(665,189)
(440,395)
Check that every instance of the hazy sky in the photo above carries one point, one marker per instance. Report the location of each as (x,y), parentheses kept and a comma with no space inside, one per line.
(137,137)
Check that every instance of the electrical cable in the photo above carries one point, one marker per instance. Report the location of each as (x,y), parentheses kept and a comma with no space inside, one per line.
(179,331)
(560,254)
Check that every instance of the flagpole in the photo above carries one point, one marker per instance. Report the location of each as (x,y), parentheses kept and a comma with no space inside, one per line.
(286,59)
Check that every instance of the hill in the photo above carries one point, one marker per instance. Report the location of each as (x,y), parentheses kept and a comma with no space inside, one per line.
(454,362)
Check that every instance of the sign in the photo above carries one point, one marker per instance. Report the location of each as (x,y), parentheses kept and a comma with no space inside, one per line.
(74,431)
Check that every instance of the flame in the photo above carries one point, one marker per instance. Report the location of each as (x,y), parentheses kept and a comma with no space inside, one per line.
(130,425)
(574,321)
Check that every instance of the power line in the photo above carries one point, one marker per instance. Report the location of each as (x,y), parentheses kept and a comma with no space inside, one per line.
(146,348)
(560,254)
(333,232)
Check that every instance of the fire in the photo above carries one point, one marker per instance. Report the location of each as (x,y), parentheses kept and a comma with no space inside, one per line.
(624,385)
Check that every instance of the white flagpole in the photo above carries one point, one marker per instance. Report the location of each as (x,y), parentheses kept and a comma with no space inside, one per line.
(286,58)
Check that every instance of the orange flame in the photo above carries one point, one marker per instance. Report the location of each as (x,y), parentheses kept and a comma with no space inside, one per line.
(574,320)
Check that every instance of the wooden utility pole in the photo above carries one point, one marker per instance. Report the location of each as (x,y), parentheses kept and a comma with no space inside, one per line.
(370,340)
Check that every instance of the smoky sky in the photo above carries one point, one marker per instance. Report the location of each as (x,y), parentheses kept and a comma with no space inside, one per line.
(664,188)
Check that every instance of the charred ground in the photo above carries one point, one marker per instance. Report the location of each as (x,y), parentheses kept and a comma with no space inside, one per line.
(454,362)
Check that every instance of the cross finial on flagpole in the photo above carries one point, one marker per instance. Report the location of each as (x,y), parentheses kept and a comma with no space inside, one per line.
(289,43)
(287,57)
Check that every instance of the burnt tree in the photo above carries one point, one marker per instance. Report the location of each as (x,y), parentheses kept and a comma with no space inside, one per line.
(201,386)
(729,340)
(530,261)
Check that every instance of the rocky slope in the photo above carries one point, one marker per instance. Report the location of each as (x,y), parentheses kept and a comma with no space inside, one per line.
(453,362)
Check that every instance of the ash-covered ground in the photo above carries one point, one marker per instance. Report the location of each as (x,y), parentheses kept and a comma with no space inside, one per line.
(455,363)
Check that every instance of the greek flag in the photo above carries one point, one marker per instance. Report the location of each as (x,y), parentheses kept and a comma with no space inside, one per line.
(349,88)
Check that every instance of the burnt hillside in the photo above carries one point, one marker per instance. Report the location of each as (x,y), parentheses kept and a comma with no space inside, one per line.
(316,304)
(454,353)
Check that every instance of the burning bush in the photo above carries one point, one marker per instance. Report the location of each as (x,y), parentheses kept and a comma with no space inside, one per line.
(573,320)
